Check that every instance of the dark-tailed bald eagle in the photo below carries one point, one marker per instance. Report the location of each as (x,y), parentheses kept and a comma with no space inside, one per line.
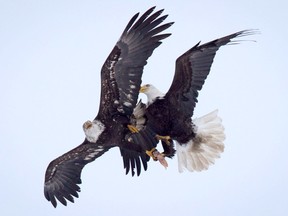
(198,142)
(120,84)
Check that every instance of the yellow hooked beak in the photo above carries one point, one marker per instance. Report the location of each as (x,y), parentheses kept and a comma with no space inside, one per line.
(87,125)
(143,89)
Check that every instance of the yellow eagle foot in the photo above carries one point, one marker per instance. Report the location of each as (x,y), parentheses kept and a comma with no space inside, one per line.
(164,138)
(151,153)
(133,129)
(156,155)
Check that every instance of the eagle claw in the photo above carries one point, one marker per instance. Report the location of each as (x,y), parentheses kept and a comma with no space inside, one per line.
(133,129)
(157,156)
(164,138)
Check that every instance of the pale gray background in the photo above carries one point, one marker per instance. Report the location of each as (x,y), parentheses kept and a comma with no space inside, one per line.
(51,53)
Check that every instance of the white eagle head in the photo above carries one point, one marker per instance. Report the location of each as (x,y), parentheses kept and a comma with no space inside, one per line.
(93,129)
(151,92)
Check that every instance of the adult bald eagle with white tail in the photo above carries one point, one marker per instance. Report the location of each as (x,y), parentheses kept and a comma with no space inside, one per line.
(200,141)
(120,83)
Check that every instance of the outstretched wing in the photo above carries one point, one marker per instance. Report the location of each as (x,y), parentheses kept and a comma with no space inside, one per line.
(122,70)
(64,173)
(192,68)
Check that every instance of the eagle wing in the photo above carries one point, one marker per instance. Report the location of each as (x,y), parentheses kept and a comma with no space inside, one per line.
(192,69)
(64,173)
(132,151)
(122,70)
(133,159)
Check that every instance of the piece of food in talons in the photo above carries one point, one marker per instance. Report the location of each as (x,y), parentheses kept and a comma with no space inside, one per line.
(160,157)
(157,156)
(202,151)
(166,139)
(133,129)
(150,153)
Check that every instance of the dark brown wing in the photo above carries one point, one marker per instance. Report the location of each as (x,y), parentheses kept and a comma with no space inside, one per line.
(122,71)
(192,68)
(134,150)
(64,173)
(133,159)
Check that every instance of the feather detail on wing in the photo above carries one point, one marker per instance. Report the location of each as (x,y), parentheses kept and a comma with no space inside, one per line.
(132,160)
(192,69)
(134,152)
(64,173)
(122,71)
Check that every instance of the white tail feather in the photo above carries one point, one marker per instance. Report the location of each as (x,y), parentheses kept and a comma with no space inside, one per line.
(199,153)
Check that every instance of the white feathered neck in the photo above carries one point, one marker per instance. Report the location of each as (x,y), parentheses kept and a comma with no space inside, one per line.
(152,93)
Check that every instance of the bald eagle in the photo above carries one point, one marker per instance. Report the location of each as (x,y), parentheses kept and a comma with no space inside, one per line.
(200,141)
(120,83)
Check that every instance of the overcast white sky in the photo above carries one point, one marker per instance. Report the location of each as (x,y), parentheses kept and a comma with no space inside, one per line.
(51,53)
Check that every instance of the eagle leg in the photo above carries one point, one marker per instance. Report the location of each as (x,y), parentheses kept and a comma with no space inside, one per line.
(133,129)
(164,138)
(169,150)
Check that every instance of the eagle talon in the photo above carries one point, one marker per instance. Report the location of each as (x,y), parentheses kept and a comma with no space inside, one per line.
(161,158)
(164,138)
(151,153)
(156,156)
(133,129)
